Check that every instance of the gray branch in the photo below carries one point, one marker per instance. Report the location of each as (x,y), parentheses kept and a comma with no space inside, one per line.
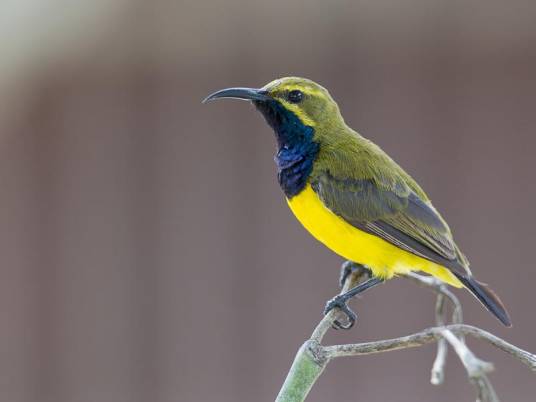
(438,368)
(313,357)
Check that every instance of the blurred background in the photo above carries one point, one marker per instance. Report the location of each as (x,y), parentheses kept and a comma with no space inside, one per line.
(147,253)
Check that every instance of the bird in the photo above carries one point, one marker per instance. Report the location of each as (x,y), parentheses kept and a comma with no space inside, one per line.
(353,197)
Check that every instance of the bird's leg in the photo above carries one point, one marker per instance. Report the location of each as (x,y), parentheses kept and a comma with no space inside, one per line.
(349,267)
(340,301)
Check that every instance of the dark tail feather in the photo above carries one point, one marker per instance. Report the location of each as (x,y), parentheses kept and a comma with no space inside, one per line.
(487,297)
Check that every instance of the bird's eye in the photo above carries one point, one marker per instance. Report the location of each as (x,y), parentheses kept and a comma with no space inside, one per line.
(295,96)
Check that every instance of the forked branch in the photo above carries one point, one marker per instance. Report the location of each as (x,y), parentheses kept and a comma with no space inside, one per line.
(313,357)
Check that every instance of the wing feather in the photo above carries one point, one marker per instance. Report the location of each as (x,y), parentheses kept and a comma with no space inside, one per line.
(393,211)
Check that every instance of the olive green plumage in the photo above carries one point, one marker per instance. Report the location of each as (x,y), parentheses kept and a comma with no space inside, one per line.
(358,182)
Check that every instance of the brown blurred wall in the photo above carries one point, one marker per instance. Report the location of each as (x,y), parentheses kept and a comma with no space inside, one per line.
(147,252)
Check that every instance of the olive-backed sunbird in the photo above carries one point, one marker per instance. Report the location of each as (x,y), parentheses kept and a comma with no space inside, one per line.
(352,197)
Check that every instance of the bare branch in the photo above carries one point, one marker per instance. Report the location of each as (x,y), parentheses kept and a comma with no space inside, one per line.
(523,356)
(428,336)
(312,358)
(476,368)
(440,288)
(438,368)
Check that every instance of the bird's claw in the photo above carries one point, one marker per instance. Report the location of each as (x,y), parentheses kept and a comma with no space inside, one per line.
(340,303)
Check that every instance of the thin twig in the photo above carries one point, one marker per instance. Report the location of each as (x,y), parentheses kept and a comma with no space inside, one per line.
(438,367)
(312,358)
(428,336)
(523,356)
(443,292)
(439,287)
(476,369)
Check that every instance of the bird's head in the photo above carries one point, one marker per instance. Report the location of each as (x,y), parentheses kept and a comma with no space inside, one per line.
(296,108)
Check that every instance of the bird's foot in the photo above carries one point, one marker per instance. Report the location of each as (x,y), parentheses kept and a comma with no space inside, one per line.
(350,267)
(340,303)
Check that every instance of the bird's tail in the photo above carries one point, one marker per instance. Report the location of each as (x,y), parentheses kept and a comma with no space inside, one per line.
(487,297)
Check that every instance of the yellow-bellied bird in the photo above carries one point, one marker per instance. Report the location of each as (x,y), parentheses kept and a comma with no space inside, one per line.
(352,197)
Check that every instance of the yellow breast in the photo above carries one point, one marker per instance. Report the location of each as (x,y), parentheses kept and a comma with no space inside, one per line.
(384,259)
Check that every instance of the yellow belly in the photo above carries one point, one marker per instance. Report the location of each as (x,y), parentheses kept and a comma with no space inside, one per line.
(384,259)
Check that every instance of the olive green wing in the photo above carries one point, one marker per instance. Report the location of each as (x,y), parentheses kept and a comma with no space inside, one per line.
(390,209)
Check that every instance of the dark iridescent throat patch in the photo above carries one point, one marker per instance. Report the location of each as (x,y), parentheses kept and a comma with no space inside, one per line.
(296,150)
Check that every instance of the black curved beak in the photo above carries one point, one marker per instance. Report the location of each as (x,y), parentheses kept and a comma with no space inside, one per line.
(239,93)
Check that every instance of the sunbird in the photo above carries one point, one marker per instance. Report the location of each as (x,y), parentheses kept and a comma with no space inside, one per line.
(352,197)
